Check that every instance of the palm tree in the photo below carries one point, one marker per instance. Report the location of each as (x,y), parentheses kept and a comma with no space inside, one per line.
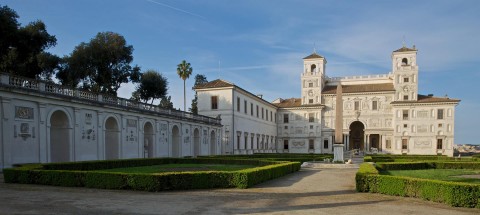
(184,71)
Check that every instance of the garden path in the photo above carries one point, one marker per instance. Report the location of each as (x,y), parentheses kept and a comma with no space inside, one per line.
(310,191)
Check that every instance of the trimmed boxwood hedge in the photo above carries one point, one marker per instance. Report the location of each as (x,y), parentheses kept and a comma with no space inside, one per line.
(277,157)
(456,194)
(89,174)
(405,158)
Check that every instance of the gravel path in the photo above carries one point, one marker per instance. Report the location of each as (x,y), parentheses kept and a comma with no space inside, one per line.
(310,191)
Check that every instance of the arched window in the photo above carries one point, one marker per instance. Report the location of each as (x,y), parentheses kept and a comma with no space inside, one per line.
(404,62)
(313,68)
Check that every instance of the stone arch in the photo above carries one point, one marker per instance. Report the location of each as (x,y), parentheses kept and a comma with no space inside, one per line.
(213,141)
(112,138)
(60,136)
(357,134)
(404,62)
(175,141)
(148,140)
(313,68)
(196,142)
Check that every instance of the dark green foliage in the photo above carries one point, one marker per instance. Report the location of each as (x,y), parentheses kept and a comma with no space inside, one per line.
(89,174)
(199,79)
(100,65)
(166,103)
(278,157)
(456,194)
(22,49)
(152,85)
(404,158)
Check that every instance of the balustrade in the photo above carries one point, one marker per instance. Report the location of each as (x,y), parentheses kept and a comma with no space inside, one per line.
(52,88)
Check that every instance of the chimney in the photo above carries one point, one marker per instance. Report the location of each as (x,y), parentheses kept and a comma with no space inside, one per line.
(260,96)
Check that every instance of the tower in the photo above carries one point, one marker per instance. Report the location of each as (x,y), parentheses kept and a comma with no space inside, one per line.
(313,78)
(405,71)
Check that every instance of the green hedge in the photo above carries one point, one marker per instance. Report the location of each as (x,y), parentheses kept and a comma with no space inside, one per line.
(277,157)
(89,174)
(427,165)
(452,193)
(405,158)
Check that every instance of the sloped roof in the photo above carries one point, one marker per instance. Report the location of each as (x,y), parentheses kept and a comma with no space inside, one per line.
(427,99)
(405,49)
(313,56)
(360,88)
(294,102)
(214,84)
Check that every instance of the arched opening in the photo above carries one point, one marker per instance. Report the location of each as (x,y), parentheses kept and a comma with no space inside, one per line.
(59,137)
(175,142)
(112,139)
(357,132)
(404,62)
(196,142)
(148,143)
(213,140)
(313,68)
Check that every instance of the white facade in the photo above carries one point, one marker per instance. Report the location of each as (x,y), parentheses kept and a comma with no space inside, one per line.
(248,121)
(43,122)
(381,113)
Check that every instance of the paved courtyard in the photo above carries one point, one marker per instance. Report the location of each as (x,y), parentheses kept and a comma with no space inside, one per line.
(310,191)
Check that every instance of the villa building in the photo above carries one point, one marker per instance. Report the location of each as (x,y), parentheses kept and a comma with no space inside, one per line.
(380,113)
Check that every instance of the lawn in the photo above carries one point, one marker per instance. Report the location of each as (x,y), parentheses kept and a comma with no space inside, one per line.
(179,168)
(439,174)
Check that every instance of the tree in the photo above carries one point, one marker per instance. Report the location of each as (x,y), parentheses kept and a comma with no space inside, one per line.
(100,65)
(184,70)
(152,86)
(199,79)
(22,49)
(166,103)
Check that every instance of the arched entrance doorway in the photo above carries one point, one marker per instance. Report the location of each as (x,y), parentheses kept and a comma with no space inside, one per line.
(175,142)
(196,142)
(213,141)
(59,137)
(148,140)
(357,131)
(112,139)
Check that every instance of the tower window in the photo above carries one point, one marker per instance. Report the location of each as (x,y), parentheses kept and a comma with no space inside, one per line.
(404,62)
(440,114)
(310,101)
(313,68)
(405,80)
(310,84)
(405,97)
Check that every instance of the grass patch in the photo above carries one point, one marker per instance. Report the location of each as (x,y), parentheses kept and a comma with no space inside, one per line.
(437,174)
(180,168)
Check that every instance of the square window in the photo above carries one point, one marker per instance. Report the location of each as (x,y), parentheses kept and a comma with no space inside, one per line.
(405,125)
(440,125)
(405,97)
(310,101)
(405,80)
(286,127)
(311,126)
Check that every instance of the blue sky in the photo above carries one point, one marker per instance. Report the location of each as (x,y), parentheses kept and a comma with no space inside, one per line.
(259,44)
